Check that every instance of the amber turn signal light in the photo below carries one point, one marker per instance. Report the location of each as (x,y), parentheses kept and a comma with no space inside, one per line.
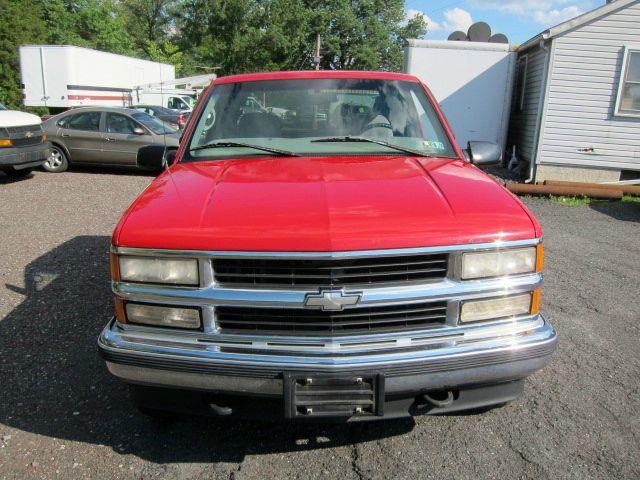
(535,301)
(121,316)
(539,257)
(115,267)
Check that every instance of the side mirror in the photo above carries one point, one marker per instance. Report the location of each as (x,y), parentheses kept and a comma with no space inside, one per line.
(138,131)
(152,158)
(484,153)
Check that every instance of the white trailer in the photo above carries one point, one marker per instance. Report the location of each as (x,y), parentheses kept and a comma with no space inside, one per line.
(63,76)
(472,82)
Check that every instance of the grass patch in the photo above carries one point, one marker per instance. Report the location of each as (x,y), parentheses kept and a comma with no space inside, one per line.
(570,201)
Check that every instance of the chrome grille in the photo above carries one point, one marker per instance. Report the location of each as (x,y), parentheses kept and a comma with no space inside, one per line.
(291,321)
(24,129)
(25,135)
(381,270)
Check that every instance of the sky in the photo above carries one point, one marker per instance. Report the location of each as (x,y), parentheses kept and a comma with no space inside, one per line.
(519,20)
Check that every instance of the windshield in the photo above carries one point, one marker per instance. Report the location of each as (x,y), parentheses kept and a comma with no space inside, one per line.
(189,101)
(156,126)
(2,107)
(318,117)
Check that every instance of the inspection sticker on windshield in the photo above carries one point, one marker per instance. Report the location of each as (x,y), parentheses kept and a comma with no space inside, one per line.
(435,145)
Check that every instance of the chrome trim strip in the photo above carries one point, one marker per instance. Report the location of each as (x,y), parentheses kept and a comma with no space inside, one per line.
(325,255)
(114,341)
(365,343)
(437,291)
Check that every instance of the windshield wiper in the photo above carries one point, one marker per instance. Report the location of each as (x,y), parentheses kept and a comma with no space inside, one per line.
(224,144)
(348,139)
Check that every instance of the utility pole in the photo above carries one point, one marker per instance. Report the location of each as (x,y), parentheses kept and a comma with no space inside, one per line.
(316,57)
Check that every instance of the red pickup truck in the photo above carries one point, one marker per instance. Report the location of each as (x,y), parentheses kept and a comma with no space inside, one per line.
(321,248)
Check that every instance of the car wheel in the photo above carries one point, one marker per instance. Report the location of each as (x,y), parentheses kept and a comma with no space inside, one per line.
(57,160)
(10,172)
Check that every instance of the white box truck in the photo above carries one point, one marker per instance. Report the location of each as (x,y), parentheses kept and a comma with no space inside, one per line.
(472,82)
(177,94)
(64,76)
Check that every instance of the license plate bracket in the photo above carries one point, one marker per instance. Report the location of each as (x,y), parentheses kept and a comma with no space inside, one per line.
(333,395)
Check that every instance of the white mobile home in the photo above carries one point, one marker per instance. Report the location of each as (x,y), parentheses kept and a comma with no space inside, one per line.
(576,108)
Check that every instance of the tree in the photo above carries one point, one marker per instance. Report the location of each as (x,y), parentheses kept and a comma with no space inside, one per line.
(152,25)
(363,34)
(252,35)
(99,24)
(21,23)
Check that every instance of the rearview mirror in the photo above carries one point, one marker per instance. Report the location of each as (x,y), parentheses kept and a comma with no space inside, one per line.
(484,153)
(138,131)
(152,158)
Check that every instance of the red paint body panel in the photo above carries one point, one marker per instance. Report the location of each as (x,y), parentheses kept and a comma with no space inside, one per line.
(322,204)
(338,203)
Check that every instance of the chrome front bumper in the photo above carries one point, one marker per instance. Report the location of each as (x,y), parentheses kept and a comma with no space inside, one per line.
(480,355)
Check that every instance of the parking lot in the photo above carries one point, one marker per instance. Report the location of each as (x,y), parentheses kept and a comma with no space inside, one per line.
(63,416)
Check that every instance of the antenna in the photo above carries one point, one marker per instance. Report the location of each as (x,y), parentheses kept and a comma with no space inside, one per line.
(164,135)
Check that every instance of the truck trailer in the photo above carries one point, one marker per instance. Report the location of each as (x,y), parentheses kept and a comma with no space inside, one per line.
(472,82)
(65,76)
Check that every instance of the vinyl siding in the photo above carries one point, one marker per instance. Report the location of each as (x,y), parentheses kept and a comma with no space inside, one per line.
(523,126)
(582,95)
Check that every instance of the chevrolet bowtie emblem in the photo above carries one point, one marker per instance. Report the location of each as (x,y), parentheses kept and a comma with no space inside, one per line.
(333,300)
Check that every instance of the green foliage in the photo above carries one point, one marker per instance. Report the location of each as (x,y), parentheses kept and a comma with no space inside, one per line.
(99,24)
(198,36)
(582,200)
(570,201)
(363,34)
(21,22)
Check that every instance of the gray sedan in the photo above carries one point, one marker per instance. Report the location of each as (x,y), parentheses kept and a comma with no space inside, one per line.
(103,136)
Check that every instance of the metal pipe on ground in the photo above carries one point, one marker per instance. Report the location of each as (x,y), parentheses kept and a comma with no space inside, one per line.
(521,188)
(626,189)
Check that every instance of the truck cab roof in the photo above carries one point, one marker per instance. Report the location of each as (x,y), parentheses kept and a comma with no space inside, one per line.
(252,77)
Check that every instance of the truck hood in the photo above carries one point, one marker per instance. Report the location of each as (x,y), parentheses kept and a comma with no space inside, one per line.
(13,118)
(323,204)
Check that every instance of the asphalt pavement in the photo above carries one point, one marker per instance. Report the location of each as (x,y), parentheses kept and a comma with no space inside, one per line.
(63,416)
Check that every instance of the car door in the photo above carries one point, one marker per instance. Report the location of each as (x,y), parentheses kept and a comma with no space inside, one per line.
(123,137)
(80,134)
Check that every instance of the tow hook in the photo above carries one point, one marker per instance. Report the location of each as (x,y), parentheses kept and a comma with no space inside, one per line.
(439,403)
(219,410)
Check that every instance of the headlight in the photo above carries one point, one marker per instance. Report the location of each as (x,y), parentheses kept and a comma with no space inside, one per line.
(496,308)
(173,271)
(163,316)
(496,263)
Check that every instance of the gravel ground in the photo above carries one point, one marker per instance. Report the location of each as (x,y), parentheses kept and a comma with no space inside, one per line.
(63,416)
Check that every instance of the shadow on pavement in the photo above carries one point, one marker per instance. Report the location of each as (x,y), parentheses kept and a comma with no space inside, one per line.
(55,384)
(4,178)
(108,170)
(625,211)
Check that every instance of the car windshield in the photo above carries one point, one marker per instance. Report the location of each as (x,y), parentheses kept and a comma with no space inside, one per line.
(323,116)
(189,101)
(153,124)
(2,107)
